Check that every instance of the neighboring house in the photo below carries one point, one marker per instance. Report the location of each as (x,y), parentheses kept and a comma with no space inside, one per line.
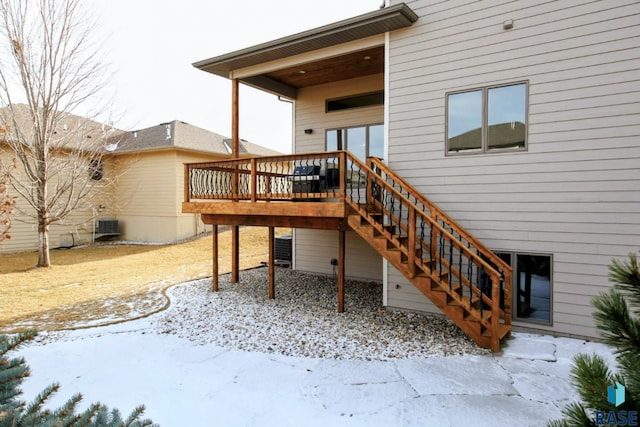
(151,186)
(142,197)
(521,120)
(70,133)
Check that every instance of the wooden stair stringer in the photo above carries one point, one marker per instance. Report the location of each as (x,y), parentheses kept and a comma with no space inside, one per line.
(460,311)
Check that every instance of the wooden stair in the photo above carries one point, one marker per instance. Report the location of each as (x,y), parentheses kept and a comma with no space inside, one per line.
(446,264)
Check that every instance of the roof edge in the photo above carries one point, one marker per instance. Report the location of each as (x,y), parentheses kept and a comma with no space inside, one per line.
(371,23)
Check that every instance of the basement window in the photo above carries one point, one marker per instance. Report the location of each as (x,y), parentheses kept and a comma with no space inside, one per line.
(357,101)
(532,286)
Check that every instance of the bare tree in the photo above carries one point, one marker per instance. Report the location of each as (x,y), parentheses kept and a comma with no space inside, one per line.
(49,69)
(7,202)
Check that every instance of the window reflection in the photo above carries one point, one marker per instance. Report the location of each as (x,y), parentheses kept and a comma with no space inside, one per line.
(464,126)
(357,138)
(487,119)
(506,117)
(532,286)
(362,141)
(533,299)
(335,138)
(376,141)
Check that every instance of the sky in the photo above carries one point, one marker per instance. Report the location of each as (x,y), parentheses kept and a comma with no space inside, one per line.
(150,46)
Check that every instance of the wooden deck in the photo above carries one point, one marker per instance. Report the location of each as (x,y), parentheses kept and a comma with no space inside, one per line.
(336,191)
(326,215)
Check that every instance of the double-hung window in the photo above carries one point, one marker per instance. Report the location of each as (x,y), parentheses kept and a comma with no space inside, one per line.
(487,119)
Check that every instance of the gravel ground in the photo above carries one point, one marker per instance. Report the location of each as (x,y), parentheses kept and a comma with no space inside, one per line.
(303,319)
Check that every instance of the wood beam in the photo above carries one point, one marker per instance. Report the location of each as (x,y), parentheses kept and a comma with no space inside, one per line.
(272,263)
(214,272)
(265,83)
(235,254)
(341,253)
(316,223)
(291,209)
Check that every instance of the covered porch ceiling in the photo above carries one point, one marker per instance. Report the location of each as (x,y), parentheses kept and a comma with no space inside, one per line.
(343,50)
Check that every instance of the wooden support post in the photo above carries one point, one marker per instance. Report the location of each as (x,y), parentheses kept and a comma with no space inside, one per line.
(235,153)
(272,263)
(433,250)
(235,253)
(495,313)
(342,175)
(341,252)
(214,257)
(254,181)
(411,244)
(235,135)
(235,118)
(187,192)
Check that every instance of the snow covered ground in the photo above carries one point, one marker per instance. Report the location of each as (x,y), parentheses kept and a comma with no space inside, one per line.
(185,383)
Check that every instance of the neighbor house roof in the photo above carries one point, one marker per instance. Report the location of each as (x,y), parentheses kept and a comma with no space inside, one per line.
(181,135)
(72,129)
(70,132)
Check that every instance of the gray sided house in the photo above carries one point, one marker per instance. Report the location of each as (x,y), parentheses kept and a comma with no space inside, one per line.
(518,121)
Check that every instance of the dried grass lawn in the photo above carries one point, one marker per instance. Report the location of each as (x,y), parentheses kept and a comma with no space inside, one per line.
(97,285)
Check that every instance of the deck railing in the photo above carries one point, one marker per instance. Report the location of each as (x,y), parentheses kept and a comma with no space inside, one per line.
(434,243)
(457,231)
(443,249)
(291,177)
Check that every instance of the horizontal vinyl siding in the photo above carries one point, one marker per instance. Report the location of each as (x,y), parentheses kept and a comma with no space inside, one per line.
(76,228)
(310,111)
(147,229)
(315,248)
(575,192)
(187,225)
(147,187)
(151,192)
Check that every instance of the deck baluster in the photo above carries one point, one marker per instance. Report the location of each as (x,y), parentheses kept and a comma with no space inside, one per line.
(388,207)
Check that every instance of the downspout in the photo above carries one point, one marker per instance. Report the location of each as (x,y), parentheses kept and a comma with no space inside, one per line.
(385,263)
(93,232)
(293,150)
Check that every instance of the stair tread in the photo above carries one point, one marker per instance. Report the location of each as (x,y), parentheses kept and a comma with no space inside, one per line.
(503,330)
(431,275)
(475,317)
(465,301)
(453,287)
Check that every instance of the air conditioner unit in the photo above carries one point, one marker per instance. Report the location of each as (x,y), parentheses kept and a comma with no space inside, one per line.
(283,248)
(107,226)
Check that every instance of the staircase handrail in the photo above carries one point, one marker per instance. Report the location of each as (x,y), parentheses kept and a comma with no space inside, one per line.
(476,258)
(441,214)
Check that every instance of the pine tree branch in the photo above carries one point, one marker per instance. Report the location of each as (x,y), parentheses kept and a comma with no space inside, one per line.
(625,274)
(618,328)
